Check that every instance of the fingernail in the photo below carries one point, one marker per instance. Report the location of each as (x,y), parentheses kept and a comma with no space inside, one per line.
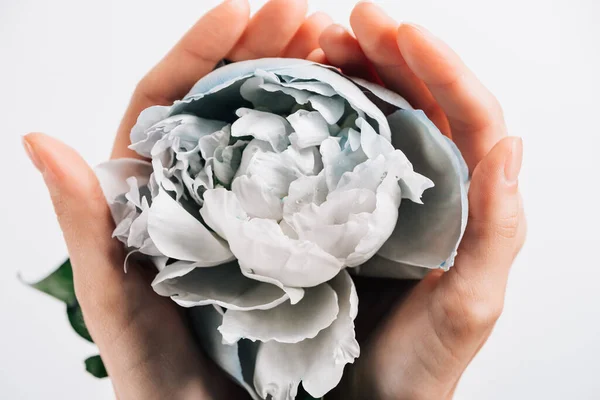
(35,159)
(512,165)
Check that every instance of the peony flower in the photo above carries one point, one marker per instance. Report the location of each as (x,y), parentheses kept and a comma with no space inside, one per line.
(267,186)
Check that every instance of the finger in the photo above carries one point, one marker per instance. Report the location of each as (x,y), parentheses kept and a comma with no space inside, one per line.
(270,30)
(195,55)
(474,114)
(318,56)
(306,38)
(376,32)
(343,51)
(120,310)
(495,229)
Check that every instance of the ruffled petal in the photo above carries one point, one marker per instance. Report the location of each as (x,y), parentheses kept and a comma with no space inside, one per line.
(338,161)
(277,170)
(319,362)
(285,323)
(310,128)
(253,90)
(331,108)
(261,246)
(177,234)
(341,86)
(113,176)
(372,144)
(428,235)
(305,190)
(146,119)
(381,222)
(256,199)
(190,285)
(265,126)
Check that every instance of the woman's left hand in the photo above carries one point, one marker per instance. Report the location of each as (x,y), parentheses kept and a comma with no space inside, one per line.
(422,346)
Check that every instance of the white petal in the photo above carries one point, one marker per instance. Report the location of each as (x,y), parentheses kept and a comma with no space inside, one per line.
(367,175)
(319,362)
(285,323)
(277,170)
(353,139)
(147,118)
(428,235)
(322,88)
(310,128)
(264,249)
(209,143)
(337,162)
(303,161)
(413,185)
(189,285)
(271,128)
(190,128)
(305,190)
(139,237)
(381,222)
(177,234)
(227,160)
(294,293)
(254,91)
(339,224)
(256,199)
(261,246)
(372,144)
(223,213)
(331,108)
(300,96)
(341,204)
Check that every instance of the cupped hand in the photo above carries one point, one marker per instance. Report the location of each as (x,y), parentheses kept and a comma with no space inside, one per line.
(421,346)
(146,346)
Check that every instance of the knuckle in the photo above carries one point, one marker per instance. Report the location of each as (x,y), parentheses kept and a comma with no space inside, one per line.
(480,316)
(472,318)
(465,315)
(507,226)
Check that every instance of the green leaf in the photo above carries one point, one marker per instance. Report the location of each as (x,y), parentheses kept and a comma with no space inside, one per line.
(95,366)
(75,316)
(59,284)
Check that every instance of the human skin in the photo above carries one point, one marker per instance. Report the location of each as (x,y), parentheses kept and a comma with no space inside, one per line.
(427,334)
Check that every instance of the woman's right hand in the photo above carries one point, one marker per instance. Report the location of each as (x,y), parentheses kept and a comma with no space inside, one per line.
(143,339)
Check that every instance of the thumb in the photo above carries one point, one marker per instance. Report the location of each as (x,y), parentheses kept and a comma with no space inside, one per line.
(495,230)
(472,292)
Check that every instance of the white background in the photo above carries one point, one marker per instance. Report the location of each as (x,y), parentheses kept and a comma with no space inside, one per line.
(67,68)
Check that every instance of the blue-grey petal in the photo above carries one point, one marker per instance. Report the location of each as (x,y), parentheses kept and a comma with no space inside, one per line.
(205,321)
(427,235)
(383,94)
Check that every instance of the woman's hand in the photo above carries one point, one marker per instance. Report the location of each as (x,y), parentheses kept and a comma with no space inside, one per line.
(426,340)
(146,346)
